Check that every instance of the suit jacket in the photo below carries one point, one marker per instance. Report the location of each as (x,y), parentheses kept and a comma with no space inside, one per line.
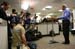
(3,14)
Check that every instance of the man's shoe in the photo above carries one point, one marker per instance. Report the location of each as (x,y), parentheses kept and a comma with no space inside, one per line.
(66,43)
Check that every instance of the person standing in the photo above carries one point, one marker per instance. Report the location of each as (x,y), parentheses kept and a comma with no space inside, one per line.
(3,7)
(13,17)
(23,17)
(28,20)
(65,23)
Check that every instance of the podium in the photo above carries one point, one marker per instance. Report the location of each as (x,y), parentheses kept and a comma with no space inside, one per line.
(52,31)
(45,27)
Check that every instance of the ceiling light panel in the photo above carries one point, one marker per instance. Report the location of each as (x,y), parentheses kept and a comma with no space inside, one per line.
(48,7)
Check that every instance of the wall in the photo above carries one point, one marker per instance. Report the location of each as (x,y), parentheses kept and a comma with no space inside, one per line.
(74,18)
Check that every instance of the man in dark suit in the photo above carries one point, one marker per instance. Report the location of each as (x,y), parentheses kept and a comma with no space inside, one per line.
(3,7)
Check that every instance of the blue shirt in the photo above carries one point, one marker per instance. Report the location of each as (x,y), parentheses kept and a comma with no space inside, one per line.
(66,15)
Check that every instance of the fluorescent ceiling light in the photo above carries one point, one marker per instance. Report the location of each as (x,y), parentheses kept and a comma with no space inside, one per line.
(60,10)
(25,5)
(48,7)
(32,3)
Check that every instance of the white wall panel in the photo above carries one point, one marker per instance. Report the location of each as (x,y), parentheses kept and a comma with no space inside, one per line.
(3,37)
